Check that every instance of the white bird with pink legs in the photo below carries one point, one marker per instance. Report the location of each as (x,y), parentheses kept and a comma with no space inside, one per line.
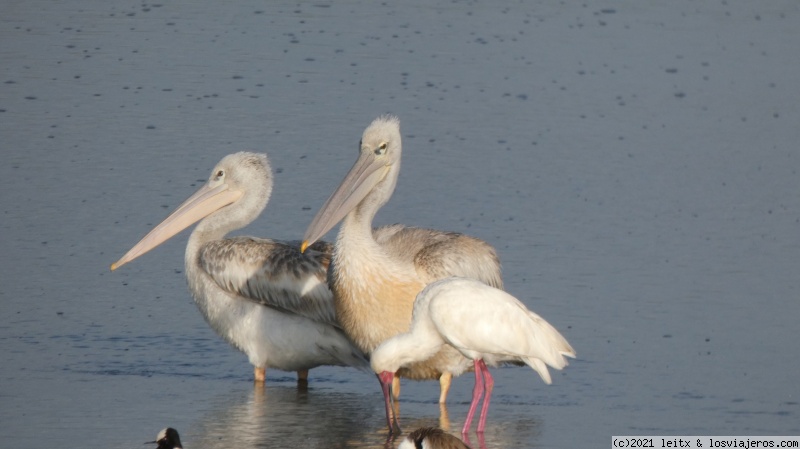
(487,325)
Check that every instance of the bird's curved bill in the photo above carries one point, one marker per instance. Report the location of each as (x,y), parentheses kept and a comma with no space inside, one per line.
(198,206)
(359,181)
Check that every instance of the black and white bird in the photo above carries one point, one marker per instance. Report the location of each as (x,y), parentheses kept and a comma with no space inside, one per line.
(431,438)
(167,439)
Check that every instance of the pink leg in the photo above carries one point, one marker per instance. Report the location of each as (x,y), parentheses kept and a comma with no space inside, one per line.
(385,379)
(477,392)
(489,382)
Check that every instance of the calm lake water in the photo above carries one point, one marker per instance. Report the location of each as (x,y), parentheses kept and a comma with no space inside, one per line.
(634,163)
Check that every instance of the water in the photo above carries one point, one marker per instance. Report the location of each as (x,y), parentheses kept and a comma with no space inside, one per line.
(635,165)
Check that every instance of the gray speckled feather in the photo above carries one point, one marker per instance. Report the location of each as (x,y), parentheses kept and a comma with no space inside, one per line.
(273,273)
(440,254)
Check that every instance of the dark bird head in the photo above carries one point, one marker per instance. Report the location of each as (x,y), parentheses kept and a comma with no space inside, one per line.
(431,438)
(167,439)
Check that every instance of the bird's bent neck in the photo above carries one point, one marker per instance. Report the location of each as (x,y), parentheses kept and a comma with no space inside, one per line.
(418,344)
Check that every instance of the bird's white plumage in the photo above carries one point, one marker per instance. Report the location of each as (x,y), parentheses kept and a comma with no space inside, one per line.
(481,322)
(407,444)
(486,323)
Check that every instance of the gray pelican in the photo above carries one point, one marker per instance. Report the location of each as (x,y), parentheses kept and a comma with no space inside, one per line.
(431,438)
(263,296)
(486,325)
(167,439)
(375,275)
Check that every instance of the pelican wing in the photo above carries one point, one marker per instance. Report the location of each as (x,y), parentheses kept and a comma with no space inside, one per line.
(440,254)
(275,274)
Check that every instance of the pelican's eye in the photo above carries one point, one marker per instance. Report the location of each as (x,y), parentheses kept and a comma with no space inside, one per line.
(381,149)
(219,175)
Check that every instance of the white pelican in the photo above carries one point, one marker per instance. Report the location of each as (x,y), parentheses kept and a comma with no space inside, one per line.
(431,438)
(167,439)
(485,324)
(263,296)
(376,276)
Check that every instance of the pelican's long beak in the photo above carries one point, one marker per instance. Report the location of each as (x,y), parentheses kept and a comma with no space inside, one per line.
(198,206)
(360,180)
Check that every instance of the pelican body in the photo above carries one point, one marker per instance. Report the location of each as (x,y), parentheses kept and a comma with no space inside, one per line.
(376,274)
(486,325)
(262,296)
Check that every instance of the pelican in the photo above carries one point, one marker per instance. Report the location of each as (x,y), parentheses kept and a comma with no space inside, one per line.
(167,439)
(485,324)
(375,275)
(262,296)
(431,438)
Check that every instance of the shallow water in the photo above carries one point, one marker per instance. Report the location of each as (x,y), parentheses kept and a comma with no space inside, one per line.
(635,165)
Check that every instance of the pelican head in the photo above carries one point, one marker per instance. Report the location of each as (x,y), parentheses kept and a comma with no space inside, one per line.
(369,184)
(238,188)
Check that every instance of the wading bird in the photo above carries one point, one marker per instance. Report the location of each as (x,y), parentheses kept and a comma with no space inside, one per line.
(375,275)
(167,439)
(431,438)
(263,296)
(487,325)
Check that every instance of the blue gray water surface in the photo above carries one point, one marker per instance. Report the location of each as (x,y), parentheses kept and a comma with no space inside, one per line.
(634,163)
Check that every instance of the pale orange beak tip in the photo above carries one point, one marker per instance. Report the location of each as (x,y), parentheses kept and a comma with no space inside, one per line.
(304,246)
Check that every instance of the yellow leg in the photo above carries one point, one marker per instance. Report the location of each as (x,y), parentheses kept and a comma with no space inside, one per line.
(444,417)
(396,388)
(260,374)
(259,393)
(396,396)
(444,382)
(302,380)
